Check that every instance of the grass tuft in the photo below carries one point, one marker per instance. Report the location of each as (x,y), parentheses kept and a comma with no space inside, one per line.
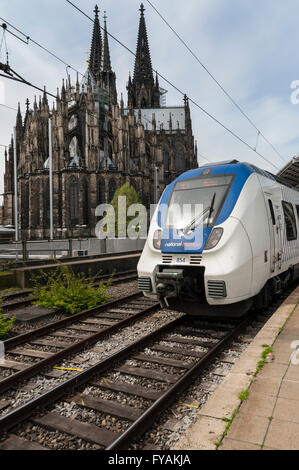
(244,394)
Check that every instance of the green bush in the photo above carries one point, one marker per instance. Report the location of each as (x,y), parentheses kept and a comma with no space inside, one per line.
(73,293)
(6,325)
(131,198)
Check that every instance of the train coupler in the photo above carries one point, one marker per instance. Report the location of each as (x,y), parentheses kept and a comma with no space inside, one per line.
(169,283)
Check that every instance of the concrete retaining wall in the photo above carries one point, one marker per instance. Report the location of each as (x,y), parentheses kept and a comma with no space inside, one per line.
(90,267)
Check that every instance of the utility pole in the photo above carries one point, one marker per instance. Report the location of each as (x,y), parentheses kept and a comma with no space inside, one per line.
(51,178)
(16,184)
(156,185)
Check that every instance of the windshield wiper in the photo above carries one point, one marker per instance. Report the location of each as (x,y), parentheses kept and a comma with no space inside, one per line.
(192,224)
(212,207)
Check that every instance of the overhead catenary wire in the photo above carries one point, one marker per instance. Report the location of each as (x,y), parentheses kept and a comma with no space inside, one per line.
(54,55)
(205,158)
(1,43)
(207,113)
(3,40)
(30,39)
(129,50)
(25,82)
(8,107)
(9,72)
(229,96)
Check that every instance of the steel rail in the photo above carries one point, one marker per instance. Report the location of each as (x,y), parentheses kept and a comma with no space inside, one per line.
(139,426)
(28,372)
(25,411)
(43,330)
(119,278)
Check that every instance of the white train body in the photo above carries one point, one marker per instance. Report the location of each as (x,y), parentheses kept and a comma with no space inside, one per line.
(249,248)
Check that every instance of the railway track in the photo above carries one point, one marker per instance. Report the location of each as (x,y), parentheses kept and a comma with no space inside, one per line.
(154,369)
(67,337)
(12,301)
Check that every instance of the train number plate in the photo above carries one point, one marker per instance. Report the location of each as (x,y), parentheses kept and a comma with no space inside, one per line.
(181,260)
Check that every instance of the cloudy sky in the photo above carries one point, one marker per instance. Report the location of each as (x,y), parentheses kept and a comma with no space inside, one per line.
(250,46)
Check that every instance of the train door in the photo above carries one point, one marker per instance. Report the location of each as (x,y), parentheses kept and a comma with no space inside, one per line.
(272,227)
(275,226)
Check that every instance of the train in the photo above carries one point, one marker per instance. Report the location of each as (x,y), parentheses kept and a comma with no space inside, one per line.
(7,234)
(224,239)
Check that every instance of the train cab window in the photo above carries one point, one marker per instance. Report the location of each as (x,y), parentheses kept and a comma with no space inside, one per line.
(297,208)
(197,200)
(290,221)
(272,212)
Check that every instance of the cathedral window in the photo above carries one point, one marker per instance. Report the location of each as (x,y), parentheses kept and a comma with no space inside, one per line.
(36,205)
(74,201)
(112,189)
(166,165)
(101,192)
(73,149)
(148,152)
(73,122)
(24,206)
(179,158)
(85,200)
(110,153)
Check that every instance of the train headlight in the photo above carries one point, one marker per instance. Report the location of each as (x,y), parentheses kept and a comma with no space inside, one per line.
(157,239)
(214,238)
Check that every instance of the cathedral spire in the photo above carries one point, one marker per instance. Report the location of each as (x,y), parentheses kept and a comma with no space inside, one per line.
(106,76)
(122,105)
(19,123)
(106,62)
(96,46)
(45,98)
(63,92)
(143,65)
(27,113)
(141,92)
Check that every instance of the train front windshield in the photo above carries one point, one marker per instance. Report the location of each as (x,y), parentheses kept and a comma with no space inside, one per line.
(197,201)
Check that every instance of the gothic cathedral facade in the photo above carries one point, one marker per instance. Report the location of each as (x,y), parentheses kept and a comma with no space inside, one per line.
(98,145)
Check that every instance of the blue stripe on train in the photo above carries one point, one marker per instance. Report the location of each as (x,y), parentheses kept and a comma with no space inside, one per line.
(172,242)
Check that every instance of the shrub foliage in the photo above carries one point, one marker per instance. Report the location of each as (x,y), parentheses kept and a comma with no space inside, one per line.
(6,325)
(131,198)
(66,290)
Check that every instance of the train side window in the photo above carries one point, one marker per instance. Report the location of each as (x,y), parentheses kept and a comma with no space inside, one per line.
(272,212)
(297,208)
(290,221)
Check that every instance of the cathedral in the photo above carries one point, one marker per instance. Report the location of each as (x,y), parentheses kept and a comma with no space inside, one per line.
(99,143)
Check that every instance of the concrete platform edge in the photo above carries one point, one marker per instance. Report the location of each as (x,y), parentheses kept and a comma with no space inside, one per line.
(208,429)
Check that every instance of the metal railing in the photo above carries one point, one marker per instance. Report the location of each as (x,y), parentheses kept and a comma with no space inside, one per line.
(75,247)
(47,249)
